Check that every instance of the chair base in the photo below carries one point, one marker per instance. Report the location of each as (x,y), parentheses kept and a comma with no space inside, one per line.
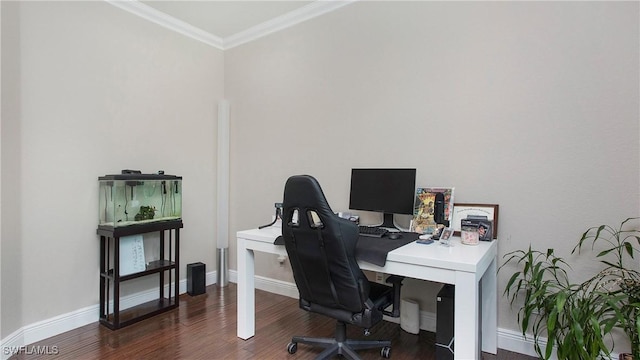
(340,345)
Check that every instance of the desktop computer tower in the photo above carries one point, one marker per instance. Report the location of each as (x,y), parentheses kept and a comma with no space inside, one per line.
(196,278)
(444,322)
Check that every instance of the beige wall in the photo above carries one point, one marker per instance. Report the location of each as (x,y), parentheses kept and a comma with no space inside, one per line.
(88,90)
(530,105)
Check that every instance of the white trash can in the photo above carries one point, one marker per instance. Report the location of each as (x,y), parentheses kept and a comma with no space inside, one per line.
(410,316)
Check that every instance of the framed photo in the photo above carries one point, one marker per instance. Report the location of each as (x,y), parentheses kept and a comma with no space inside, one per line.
(463,210)
(446,234)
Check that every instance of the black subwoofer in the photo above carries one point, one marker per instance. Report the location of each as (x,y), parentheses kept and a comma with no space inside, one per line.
(196,278)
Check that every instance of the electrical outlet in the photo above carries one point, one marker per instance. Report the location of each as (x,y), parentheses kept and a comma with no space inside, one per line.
(380,277)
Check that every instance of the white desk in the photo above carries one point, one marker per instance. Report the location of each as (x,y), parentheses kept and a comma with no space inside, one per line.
(472,269)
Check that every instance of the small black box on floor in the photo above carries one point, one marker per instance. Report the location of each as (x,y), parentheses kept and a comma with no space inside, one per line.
(196,278)
(444,322)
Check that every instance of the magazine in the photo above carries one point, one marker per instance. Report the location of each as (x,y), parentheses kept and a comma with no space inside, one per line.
(423,209)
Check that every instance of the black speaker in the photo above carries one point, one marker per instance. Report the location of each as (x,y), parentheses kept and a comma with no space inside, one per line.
(444,322)
(438,209)
(196,278)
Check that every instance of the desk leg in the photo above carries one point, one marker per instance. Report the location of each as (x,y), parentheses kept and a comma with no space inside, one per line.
(466,322)
(490,309)
(246,291)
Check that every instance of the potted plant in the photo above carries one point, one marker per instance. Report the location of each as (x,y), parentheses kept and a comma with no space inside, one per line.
(578,318)
(621,278)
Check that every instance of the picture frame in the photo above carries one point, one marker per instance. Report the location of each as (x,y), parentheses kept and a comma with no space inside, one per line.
(132,258)
(462,210)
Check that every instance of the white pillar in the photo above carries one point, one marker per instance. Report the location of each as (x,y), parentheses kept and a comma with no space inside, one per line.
(222,192)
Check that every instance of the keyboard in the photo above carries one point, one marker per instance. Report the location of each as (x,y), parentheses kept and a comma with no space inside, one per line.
(372,231)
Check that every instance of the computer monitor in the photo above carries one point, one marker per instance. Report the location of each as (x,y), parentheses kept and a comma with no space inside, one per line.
(389,191)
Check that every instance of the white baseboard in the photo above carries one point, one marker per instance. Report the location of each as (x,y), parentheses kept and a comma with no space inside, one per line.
(507,339)
(514,341)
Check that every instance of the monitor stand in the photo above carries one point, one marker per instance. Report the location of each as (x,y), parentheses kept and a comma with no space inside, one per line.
(387,221)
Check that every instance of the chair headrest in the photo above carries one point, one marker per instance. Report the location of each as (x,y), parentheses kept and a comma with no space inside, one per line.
(303,192)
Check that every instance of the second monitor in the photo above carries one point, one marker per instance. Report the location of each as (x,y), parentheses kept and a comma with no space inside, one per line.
(388,191)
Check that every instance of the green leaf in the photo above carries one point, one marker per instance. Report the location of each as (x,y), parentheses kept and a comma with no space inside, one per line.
(628,219)
(525,322)
(638,328)
(560,301)
(600,228)
(549,348)
(577,331)
(604,252)
(526,267)
(512,279)
(551,321)
(629,248)
(609,324)
(610,264)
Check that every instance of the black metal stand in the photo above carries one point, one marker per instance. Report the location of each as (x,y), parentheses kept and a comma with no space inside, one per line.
(166,267)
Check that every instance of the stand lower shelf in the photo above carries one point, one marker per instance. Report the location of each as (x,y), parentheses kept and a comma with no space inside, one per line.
(139,312)
(111,314)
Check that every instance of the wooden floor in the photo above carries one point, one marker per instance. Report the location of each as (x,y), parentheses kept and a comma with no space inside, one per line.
(204,327)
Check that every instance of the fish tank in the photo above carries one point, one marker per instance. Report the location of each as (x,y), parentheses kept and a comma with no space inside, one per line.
(134,199)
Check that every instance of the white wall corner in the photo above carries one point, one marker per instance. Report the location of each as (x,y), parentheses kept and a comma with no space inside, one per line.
(294,17)
(147,12)
(13,341)
(282,22)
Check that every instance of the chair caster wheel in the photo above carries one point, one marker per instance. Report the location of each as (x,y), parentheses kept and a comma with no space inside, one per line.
(292,347)
(385,352)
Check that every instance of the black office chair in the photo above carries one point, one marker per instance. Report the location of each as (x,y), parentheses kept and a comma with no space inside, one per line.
(321,247)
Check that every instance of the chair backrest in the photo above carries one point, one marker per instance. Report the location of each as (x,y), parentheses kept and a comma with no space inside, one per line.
(321,247)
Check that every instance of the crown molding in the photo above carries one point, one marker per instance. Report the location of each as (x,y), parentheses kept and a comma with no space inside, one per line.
(289,19)
(147,12)
(297,16)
